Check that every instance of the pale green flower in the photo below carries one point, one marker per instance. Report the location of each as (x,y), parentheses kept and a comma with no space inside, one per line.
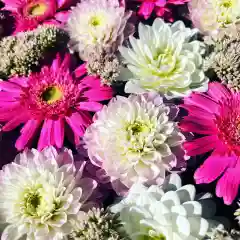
(167,212)
(164,59)
(41,192)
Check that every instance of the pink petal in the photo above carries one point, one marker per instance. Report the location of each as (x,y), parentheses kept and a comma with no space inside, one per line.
(197,111)
(22,81)
(198,125)
(160,11)
(91,81)
(65,3)
(14,122)
(80,71)
(27,133)
(218,91)
(58,128)
(228,185)
(160,3)
(56,64)
(90,106)
(62,16)
(146,9)
(212,168)
(203,101)
(75,121)
(99,95)
(10,87)
(201,145)
(45,136)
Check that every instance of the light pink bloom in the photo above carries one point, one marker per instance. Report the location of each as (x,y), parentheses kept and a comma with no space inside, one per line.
(161,8)
(30,13)
(54,100)
(215,115)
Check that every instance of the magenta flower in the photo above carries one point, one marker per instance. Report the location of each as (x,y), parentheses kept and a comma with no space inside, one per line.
(215,115)
(54,100)
(161,8)
(30,13)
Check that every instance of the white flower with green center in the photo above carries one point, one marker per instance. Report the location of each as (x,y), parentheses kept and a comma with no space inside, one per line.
(164,59)
(167,212)
(135,139)
(41,192)
(213,17)
(97,23)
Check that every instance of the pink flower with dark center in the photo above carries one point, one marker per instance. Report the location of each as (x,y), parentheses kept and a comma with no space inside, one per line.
(54,100)
(160,7)
(216,116)
(30,13)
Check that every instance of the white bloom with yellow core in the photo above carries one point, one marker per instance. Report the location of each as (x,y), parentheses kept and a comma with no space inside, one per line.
(41,192)
(98,23)
(164,59)
(135,139)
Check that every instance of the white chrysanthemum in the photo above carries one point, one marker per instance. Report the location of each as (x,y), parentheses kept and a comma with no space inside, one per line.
(169,212)
(135,139)
(40,193)
(97,23)
(214,16)
(164,59)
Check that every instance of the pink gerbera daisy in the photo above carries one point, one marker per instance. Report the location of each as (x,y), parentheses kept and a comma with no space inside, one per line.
(30,13)
(161,7)
(216,116)
(54,100)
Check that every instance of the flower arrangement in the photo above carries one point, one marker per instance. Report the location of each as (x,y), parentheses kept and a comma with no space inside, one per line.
(120,120)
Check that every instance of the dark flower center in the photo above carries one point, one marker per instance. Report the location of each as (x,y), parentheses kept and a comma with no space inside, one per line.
(37,9)
(52,94)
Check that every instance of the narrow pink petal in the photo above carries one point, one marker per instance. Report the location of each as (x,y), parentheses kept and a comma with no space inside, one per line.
(62,16)
(160,3)
(28,132)
(86,118)
(10,87)
(146,9)
(43,139)
(228,185)
(98,95)
(198,125)
(75,121)
(212,168)
(65,3)
(56,64)
(80,71)
(90,106)
(91,81)
(218,91)
(22,81)
(15,121)
(197,111)
(203,101)
(201,145)
(9,96)
(58,126)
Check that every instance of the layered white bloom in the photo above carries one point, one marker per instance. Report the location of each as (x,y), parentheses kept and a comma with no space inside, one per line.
(135,139)
(41,192)
(95,23)
(214,16)
(169,212)
(164,59)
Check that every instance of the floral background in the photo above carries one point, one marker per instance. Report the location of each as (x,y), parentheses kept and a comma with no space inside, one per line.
(119,119)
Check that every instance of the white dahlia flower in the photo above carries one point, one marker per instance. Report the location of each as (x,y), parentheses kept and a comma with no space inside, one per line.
(164,59)
(135,139)
(212,17)
(98,23)
(167,212)
(41,192)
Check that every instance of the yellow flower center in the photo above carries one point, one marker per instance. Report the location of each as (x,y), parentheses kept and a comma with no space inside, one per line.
(38,9)
(52,94)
